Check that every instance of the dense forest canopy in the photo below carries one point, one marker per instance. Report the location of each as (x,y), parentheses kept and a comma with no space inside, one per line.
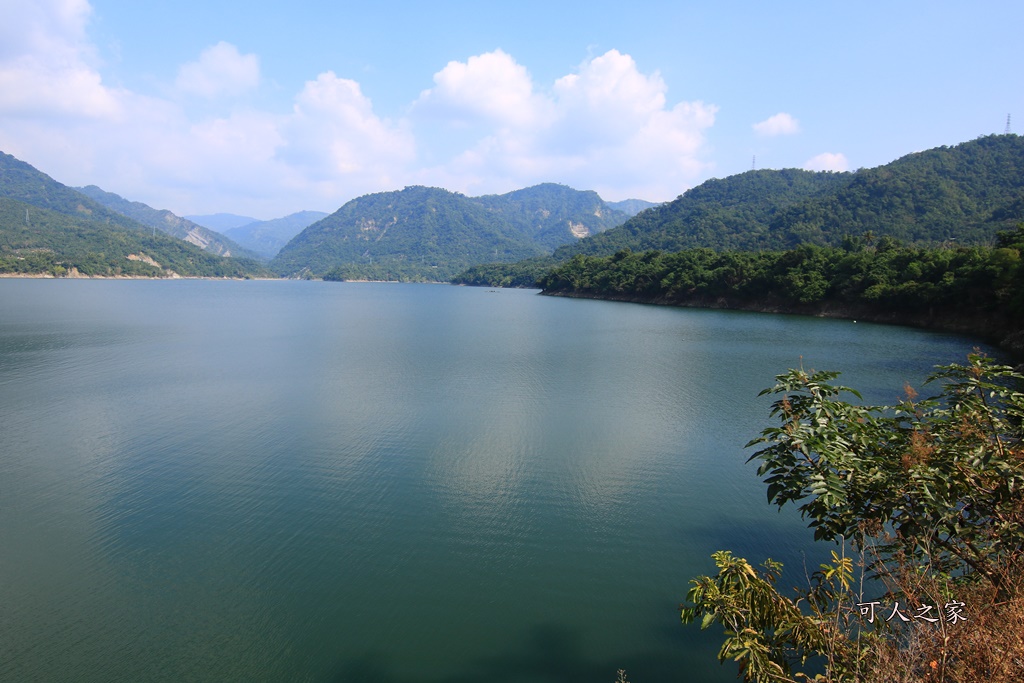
(23,182)
(944,197)
(41,241)
(968,193)
(961,195)
(974,289)
(49,228)
(426,233)
(267,238)
(165,221)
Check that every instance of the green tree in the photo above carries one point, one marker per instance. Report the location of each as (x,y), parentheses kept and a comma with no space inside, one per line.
(929,492)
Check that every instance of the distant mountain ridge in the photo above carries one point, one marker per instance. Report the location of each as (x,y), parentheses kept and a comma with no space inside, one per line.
(23,182)
(267,238)
(165,221)
(49,228)
(423,233)
(968,193)
(632,207)
(551,215)
(36,241)
(221,222)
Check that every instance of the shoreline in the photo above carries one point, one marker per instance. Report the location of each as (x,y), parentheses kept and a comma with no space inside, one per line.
(50,276)
(1008,340)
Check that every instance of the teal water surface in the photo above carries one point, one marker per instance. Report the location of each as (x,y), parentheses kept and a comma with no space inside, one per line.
(302,481)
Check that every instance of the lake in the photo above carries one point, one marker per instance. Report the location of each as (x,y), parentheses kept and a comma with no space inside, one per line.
(308,481)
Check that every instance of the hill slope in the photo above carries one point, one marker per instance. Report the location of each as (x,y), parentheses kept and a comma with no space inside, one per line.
(41,241)
(267,238)
(422,233)
(22,181)
(221,222)
(46,226)
(165,221)
(419,233)
(551,215)
(968,192)
(632,207)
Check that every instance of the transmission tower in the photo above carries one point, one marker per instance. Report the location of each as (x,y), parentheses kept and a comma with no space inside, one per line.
(753,163)
(1007,131)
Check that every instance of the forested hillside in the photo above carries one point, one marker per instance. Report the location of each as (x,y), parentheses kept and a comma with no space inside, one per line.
(41,241)
(167,222)
(978,290)
(551,215)
(632,207)
(967,193)
(267,238)
(419,233)
(726,213)
(21,181)
(949,195)
(430,234)
(47,227)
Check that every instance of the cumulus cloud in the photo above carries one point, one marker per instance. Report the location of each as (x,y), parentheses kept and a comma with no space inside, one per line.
(333,133)
(607,126)
(612,84)
(57,114)
(54,29)
(490,87)
(780,124)
(220,70)
(827,161)
(46,63)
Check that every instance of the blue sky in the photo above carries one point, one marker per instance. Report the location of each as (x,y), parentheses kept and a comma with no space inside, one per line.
(266,108)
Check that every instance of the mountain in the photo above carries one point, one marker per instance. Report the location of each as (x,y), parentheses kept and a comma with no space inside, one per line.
(222,222)
(21,181)
(266,238)
(167,222)
(968,193)
(423,233)
(632,207)
(725,213)
(46,226)
(419,233)
(552,215)
(42,241)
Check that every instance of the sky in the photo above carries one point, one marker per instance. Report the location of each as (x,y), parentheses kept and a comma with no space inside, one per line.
(268,108)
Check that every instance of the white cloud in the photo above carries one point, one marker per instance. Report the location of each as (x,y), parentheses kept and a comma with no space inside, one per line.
(334,136)
(827,161)
(490,87)
(220,70)
(57,114)
(606,126)
(45,62)
(611,86)
(53,29)
(780,124)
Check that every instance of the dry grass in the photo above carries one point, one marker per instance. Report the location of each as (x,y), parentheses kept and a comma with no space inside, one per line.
(986,648)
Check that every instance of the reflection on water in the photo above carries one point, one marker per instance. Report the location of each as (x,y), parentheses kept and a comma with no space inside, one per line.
(322,481)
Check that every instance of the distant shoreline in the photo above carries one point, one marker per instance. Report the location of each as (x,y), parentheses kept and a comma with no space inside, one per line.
(1011,341)
(50,276)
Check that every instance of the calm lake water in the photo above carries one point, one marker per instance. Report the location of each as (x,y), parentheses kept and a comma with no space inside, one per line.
(303,481)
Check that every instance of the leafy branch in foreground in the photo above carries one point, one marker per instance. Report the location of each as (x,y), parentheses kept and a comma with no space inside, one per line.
(930,494)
